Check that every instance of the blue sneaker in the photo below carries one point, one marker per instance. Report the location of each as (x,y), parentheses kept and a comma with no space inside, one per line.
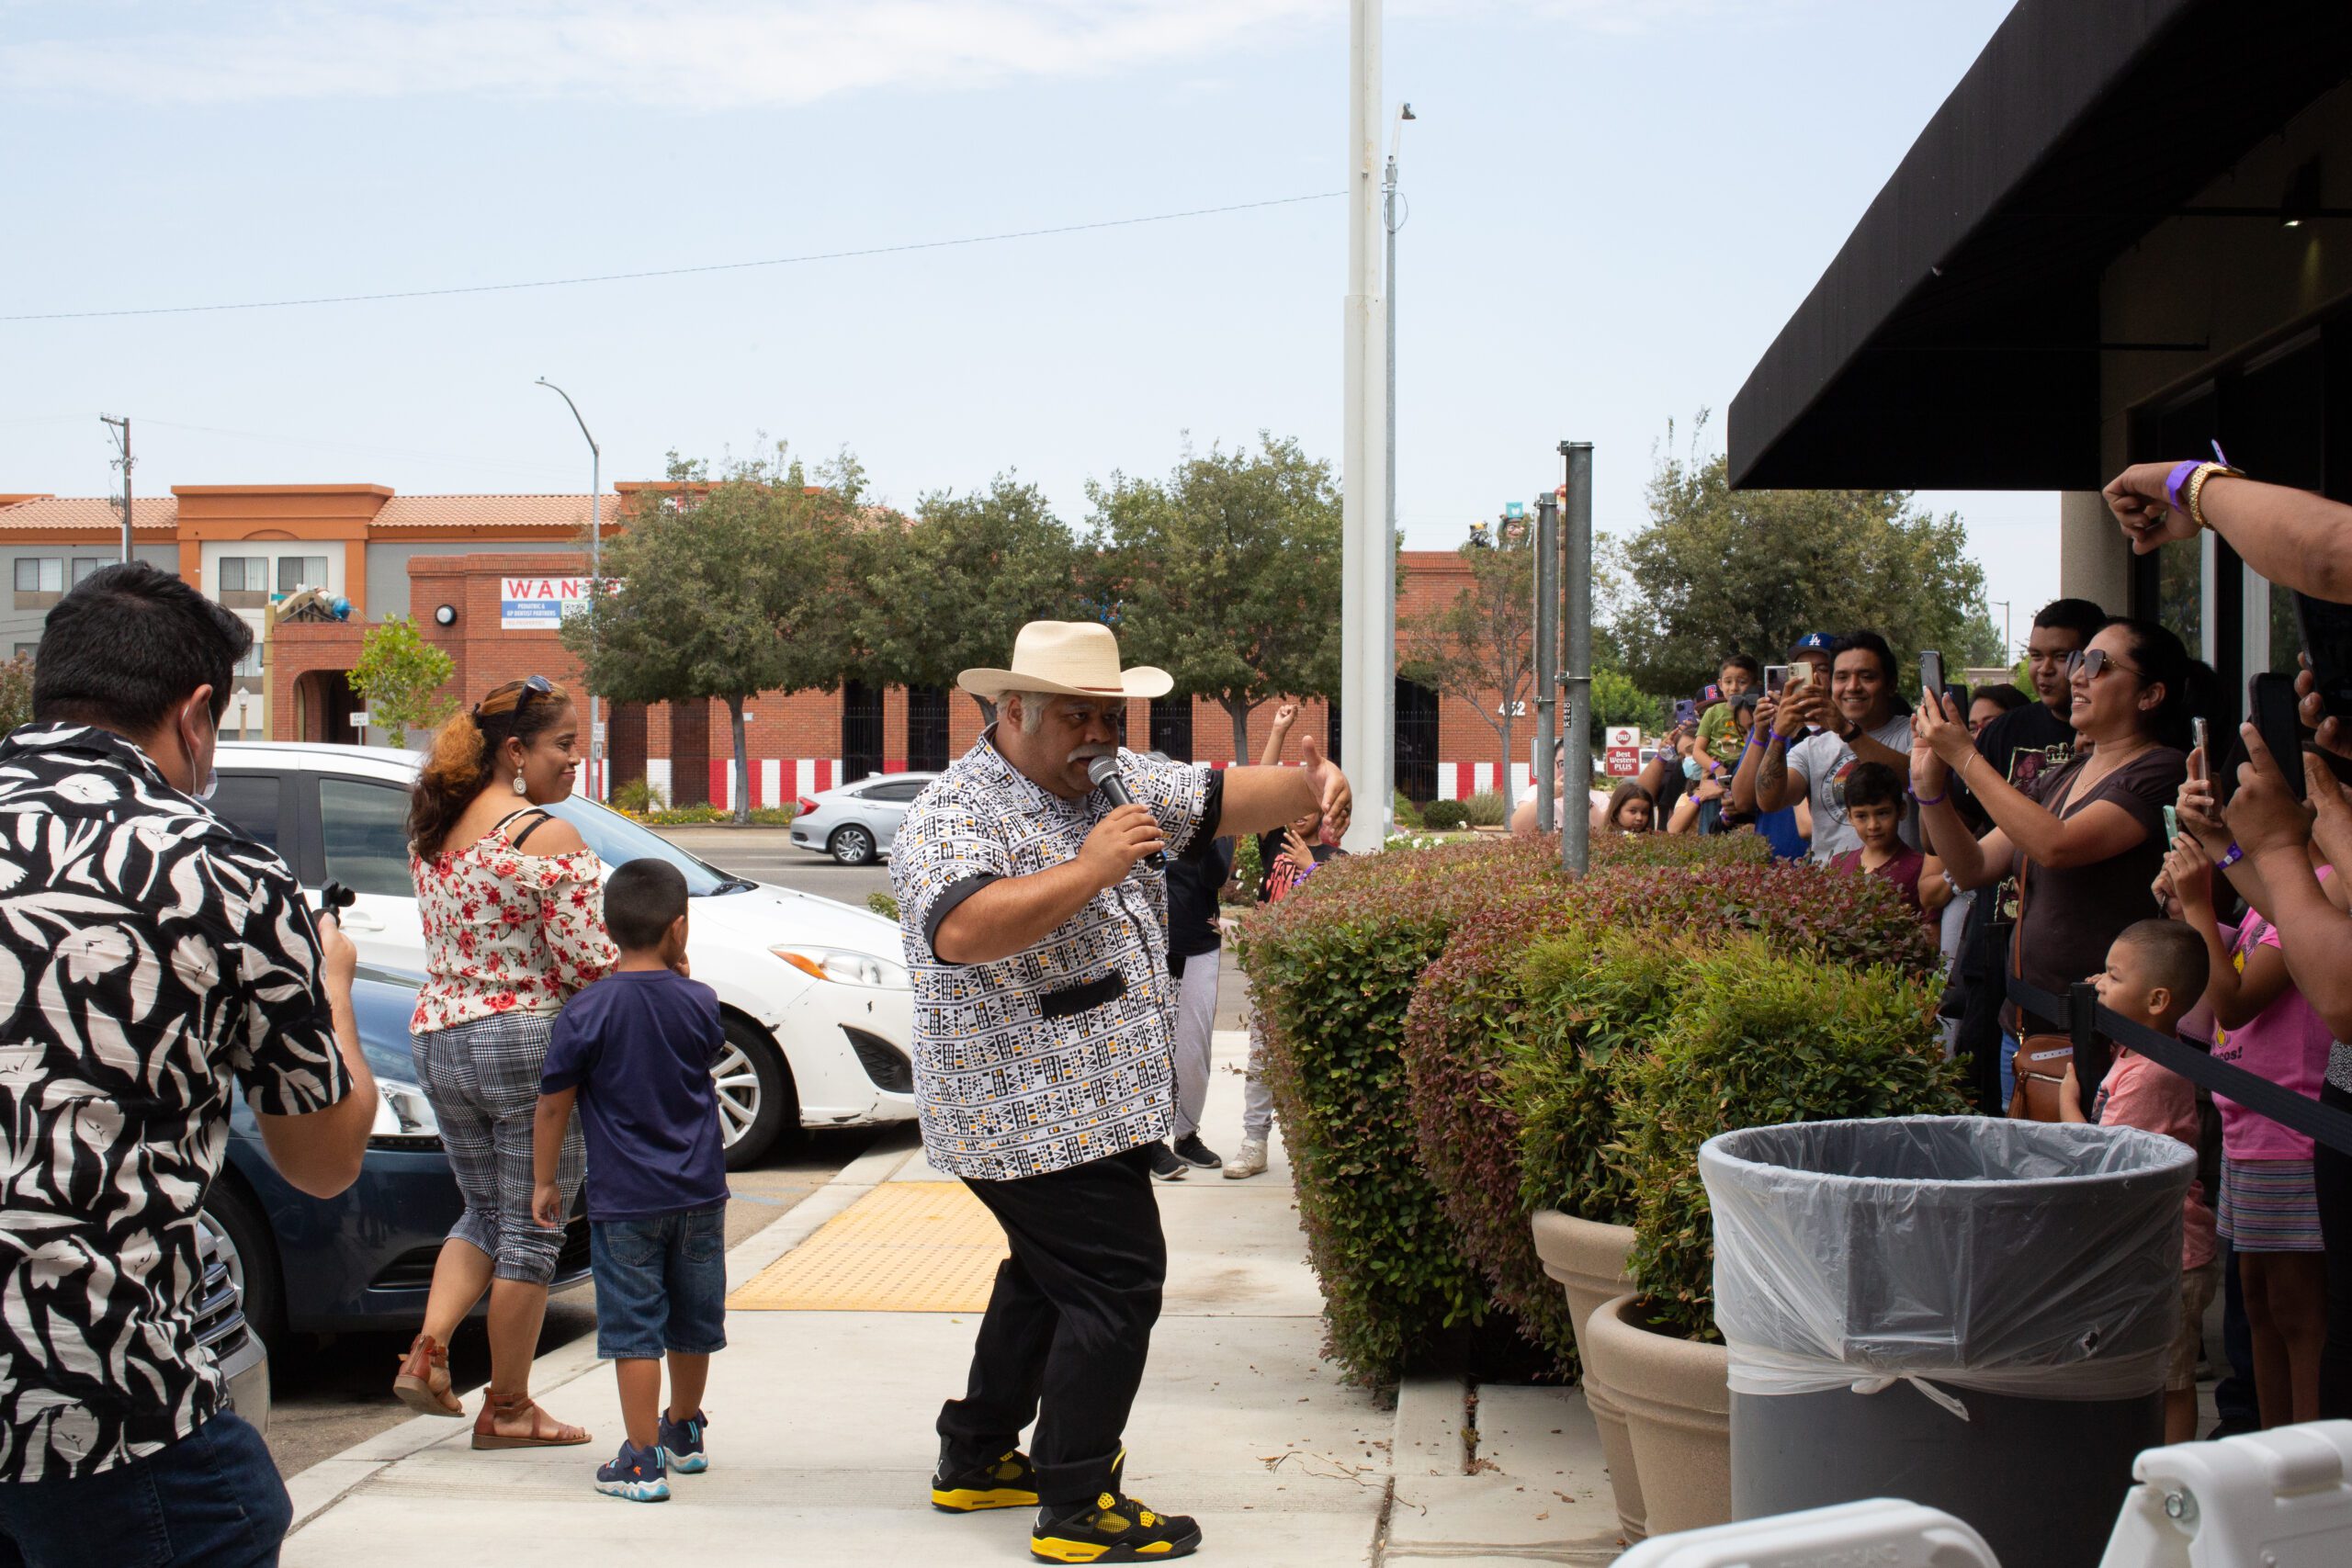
(680,1444)
(636,1474)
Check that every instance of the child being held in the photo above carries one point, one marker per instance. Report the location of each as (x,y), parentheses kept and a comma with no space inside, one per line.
(2155,971)
(1874,808)
(635,1051)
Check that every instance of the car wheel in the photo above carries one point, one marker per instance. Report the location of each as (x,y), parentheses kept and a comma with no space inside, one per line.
(852,845)
(245,1246)
(758,1110)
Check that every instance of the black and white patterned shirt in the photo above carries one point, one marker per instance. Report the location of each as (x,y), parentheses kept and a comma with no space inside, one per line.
(1061,1054)
(148,952)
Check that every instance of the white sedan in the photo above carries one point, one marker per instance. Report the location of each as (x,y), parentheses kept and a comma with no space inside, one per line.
(819,1010)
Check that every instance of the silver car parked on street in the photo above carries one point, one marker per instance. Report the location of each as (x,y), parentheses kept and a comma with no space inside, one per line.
(856,823)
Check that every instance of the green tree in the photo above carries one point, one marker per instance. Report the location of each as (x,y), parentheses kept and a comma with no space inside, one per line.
(1225,574)
(727,588)
(15,692)
(951,591)
(401,675)
(1617,698)
(1481,647)
(1718,571)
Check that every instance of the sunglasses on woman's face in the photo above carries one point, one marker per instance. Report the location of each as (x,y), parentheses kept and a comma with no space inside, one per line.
(2090,663)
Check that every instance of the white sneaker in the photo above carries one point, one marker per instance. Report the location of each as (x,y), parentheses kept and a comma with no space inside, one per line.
(1250,1159)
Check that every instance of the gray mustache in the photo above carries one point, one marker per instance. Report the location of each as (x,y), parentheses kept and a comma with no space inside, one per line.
(1091,750)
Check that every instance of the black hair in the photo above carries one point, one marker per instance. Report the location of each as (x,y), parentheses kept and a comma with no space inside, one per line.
(1872,784)
(643,898)
(129,645)
(2175,956)
(2163,660)
(2077,616)
(2004,696)
(1875,644)
(1740,661)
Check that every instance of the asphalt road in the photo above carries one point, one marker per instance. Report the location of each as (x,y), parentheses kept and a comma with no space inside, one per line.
(332,1391)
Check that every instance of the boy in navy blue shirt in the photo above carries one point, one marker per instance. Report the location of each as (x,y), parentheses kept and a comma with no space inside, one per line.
(635,1051)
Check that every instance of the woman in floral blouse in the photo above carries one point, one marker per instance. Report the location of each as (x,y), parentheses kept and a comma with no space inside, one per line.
(513,906)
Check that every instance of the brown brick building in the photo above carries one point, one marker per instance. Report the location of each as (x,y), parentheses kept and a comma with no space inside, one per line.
(484,577)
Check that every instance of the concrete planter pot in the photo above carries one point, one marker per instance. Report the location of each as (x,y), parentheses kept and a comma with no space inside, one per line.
(1676,1396)
(1588,1258)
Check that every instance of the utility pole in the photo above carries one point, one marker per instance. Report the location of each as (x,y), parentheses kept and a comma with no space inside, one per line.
(596,790)
(122,440)
(1368,571)
(2008,649)
(1547,654)
(1575,783)
(1390,222)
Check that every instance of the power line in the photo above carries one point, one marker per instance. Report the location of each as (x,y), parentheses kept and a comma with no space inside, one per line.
(675,271)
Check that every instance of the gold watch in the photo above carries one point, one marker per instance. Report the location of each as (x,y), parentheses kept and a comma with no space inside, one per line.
(2194,490)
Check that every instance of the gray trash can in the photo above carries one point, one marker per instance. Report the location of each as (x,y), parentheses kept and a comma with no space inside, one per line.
(1963,1312)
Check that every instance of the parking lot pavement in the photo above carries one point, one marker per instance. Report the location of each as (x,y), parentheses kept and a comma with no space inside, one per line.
(765,855)
(329,1393)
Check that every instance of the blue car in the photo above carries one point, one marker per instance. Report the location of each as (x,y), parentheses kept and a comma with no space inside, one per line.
(363,1260)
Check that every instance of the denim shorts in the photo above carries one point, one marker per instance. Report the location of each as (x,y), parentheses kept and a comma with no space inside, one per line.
(211,1500)
(661,1284)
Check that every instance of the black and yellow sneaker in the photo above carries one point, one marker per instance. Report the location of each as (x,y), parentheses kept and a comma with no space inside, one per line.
(1005,1482)
(1114,1528)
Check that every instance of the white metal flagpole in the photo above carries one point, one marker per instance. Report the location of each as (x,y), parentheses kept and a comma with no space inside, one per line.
(1367,621)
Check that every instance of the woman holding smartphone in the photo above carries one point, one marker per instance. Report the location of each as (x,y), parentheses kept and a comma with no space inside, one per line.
(2088,838)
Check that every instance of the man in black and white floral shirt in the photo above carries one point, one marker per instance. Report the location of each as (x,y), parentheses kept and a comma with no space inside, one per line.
(1036,930)
(153,960)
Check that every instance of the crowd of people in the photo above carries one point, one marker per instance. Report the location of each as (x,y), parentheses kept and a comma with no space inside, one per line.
(155,963)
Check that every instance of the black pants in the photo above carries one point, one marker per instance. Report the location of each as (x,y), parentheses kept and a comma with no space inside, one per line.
(1069,1325)
(2332,1171)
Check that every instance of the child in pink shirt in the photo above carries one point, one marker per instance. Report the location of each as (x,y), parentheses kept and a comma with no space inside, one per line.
(2154,974)
(2269,1203)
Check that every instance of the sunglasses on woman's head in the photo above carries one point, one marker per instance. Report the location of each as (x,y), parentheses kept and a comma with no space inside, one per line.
(525,690)
(2090,663)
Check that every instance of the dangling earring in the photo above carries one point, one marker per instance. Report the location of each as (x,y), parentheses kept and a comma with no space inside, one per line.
(518,782)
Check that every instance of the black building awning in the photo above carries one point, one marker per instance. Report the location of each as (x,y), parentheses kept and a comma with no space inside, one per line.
(1954,342)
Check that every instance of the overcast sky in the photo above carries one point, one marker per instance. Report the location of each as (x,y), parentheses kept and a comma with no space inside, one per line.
(1615,206)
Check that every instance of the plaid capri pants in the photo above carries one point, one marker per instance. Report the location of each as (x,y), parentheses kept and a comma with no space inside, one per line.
(482,1079)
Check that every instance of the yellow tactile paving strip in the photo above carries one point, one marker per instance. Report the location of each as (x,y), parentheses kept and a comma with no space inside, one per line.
(905,1246)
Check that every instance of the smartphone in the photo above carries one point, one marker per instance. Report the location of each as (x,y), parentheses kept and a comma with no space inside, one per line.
(1931,674)
(2270,703)
(1686,711)
(1776,678)
(2172,825)
(2326,630)
(2200,740)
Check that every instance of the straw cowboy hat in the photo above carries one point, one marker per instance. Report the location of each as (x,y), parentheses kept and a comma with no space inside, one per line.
(1066,658)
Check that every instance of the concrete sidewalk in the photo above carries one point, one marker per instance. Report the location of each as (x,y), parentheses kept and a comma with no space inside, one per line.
(822,1441)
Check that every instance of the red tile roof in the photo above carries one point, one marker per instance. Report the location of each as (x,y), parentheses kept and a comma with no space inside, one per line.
(565,511)
(95,512)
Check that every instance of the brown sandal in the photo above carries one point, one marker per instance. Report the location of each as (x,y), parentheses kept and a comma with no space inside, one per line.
(511,1406)
(423,1380)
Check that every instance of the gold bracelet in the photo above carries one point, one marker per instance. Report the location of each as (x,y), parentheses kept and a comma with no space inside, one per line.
(2195,489)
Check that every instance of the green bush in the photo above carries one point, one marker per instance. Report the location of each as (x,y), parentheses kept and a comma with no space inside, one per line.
(1407,819)
(1248,868)
(1761,1034)
(636,796)
(883,904)
(1483,809)
(1332,972)
(1442,816)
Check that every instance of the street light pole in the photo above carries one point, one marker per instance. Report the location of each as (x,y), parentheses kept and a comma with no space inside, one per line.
(1391,223)
(1367,556)
(596,580)
(2007,652)
(1575,848)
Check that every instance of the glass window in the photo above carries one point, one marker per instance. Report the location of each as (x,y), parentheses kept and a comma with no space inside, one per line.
(365,824)
(251,664)
(251,803)
(84,565)
(29,650)
(243,581)
(296,573)
(617,840)
(905,790)
(39,574)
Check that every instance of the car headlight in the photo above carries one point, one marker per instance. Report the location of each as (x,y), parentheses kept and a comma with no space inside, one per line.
(845,967)
(404,1117)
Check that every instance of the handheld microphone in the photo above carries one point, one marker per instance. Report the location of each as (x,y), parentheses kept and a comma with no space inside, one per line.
(1104,774)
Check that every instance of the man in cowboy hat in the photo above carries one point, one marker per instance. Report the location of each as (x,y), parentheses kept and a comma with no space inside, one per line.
(1037,934)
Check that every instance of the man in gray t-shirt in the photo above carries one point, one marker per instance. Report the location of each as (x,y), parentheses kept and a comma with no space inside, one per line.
(1858,721)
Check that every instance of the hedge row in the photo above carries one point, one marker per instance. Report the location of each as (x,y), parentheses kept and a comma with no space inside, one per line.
(1447,1028)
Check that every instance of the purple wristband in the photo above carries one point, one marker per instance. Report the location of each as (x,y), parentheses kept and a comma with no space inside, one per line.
(2178,477)
(2230,857)
(1918,799)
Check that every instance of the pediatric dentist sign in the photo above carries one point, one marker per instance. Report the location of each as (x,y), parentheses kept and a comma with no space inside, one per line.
(541,604)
